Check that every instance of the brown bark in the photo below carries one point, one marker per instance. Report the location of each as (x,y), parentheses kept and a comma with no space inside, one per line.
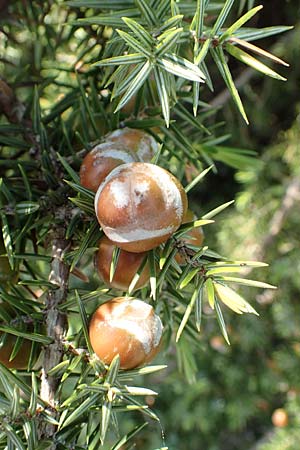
(55,320)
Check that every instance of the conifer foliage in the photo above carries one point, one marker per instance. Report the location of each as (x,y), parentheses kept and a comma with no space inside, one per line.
(73,72)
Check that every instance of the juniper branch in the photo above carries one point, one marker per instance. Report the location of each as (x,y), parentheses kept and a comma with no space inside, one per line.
(55,319)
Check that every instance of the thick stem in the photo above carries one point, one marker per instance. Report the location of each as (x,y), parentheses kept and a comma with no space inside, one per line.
(55,320)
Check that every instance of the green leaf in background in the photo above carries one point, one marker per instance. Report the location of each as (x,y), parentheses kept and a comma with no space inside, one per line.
(165,263)
(11,379)
(26,182)
(124,79)
(170,23)
(112,20)
(190,225)
(210,291)
(31,434)
(134,405)
(252,34)
(219,58)
(237,158)
(246,282)
(217,210)
(162,91)
(147,11)
(132,58)
(140,32)
(199,57)
(84,320)
(36,337)
(74,175)
(84,205)
(7,239)
(181,67)
(174,8)
(233,300)
(27,207)
(186,360)
(180,141)
(152,268)
(252,62)
(13,142)
(85,192)
(13,436)
(78,412)
(224,269)
(169,40)
(199,18)
(258,51)
(221,321)
(16,348)
(239,23)
(196,180)
(106,410)
(242,5)
(196,96)
(135,390)
(15,405)
(168,246)
(198,309)
(189,277)
(222,17)
(8,389)
(101,4)
(135,44)
(135,85)
(182,112)
(36,113)
(142,371)
(114,262)
(240,264)
(87,106)
(189,308)
(113,370)
(136,277)
(121,442)
(90,240)
(34,395)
